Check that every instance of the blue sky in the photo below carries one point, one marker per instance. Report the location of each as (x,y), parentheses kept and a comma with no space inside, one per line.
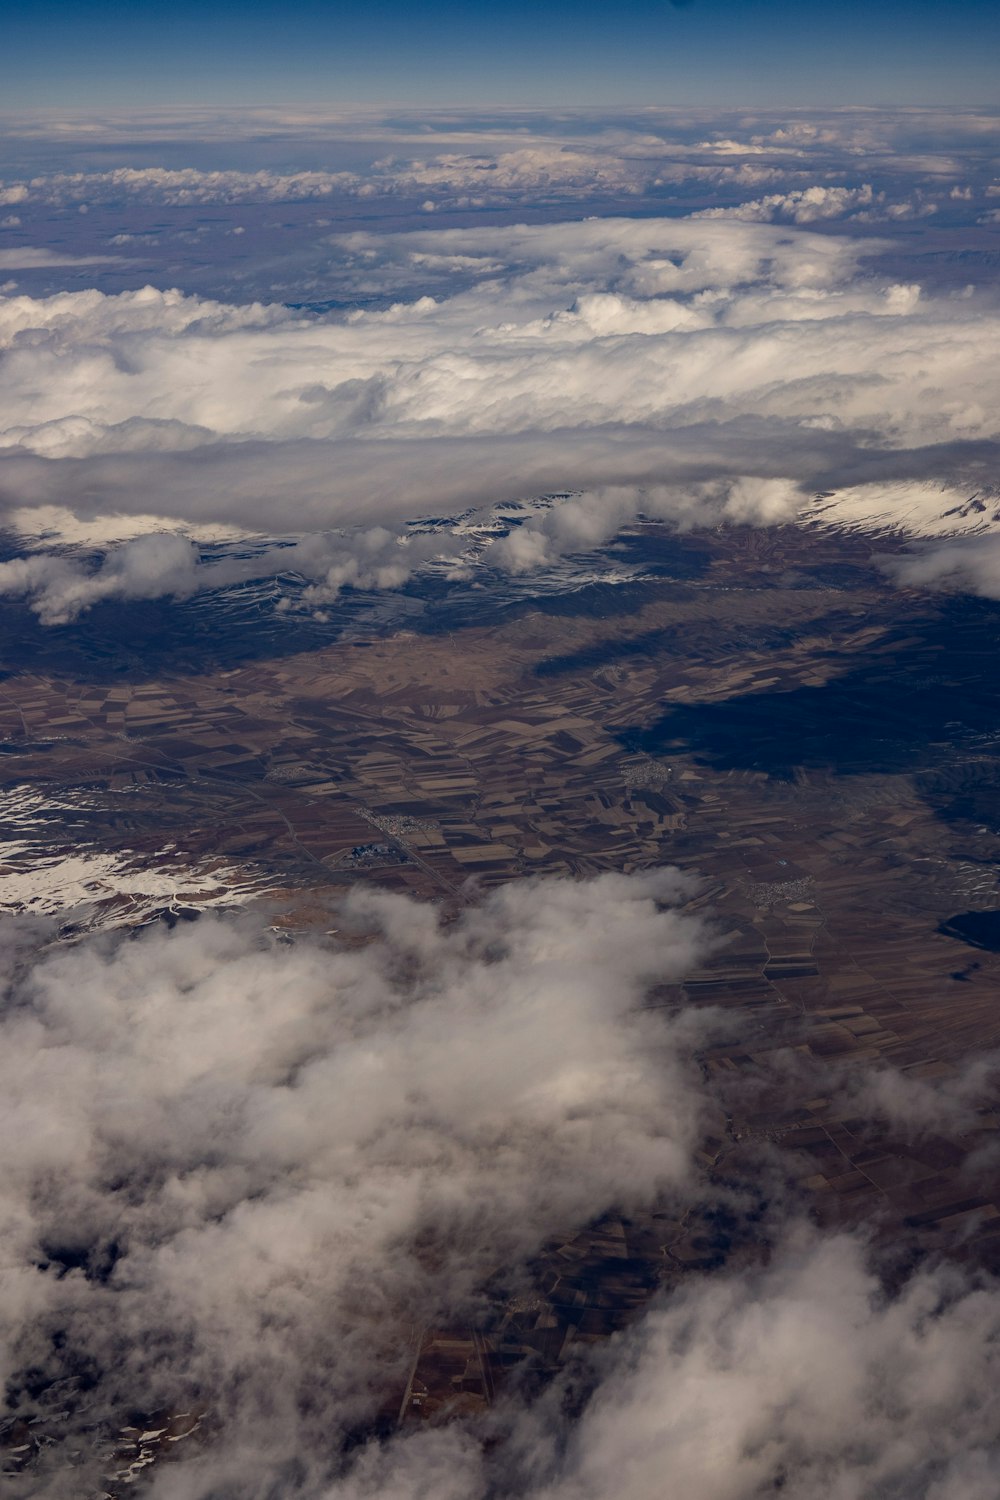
(713,52)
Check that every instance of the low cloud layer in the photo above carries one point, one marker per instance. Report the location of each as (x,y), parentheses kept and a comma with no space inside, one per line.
(245,1173)
(461,158)
(816,203)
(968,565)
(59,588)
(805,1378)
(585,522)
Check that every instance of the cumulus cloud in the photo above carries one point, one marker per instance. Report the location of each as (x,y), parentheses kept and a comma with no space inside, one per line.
(458,158)
(536,170)
(59,588)
(720,367)
(37,257)
(818,202)
(184,185)
(581,355)
(583,522)
(542,170)
(805,1377)
(912,1106)
(245,1171)
(61,585)
(364,559)
(801,206)
(966,565)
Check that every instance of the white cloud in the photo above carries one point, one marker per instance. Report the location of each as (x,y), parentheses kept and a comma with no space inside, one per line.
(30,258)
(59,588)
(539,170)
(584,522)
(813,204)
(966,565)
(185,185)
(675,336)
(141,569)
(801,206)
(298,1155)
(913,1106)
(675,357)
(269,1165)
(806,1378)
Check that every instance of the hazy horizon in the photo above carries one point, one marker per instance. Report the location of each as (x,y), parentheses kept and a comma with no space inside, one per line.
(712,52)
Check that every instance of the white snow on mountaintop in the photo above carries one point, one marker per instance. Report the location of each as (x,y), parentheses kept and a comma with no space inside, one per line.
(45,875)
(905,508)
(36,885)
(44,526)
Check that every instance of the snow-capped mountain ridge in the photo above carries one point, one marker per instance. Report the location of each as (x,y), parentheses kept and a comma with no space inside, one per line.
(905,508)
